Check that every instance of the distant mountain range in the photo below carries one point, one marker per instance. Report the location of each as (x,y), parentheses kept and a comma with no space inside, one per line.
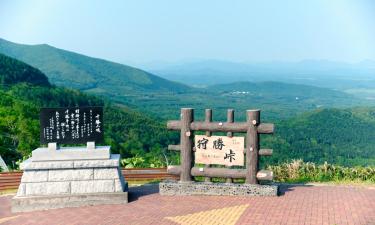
(320,73)
(341,136)
(162,98)
(78,71)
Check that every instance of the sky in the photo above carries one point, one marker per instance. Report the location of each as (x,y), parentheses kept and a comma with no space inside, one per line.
(145,31)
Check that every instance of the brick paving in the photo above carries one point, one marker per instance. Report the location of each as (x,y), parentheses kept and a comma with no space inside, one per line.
(296,205)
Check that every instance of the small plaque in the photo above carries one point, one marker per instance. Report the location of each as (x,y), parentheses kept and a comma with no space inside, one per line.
(219,150)
(76,125)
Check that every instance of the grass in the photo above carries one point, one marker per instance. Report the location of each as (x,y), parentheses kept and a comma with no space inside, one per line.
(298,171)
(142,182)
(8,192)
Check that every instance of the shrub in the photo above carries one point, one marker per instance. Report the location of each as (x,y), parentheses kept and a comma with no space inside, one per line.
(299,171)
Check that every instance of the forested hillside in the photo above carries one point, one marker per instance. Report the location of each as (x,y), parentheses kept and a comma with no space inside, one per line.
(13,71)
(69,69)
(341,136)
(128,132)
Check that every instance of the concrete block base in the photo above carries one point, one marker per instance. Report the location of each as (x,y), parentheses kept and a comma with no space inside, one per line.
(32,203)
(78,181)
(203,188)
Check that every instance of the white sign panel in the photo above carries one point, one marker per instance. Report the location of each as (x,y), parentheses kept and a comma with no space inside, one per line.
(221,150)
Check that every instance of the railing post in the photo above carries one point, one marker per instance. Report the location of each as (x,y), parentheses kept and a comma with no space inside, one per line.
(208,118)
(186,142)
(252,145)
(230,119)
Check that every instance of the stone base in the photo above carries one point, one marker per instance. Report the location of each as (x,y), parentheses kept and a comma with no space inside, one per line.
(203,188)
(64,183)
(32,203)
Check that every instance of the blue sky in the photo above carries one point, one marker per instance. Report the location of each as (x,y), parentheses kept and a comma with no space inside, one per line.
(144,31)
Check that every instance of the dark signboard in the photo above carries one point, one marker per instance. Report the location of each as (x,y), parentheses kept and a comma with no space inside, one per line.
(75,125)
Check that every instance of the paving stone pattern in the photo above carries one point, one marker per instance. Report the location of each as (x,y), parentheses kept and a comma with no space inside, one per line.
(296,205)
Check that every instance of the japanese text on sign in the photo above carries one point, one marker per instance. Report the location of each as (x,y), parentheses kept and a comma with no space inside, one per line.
(71,125)
(220,150)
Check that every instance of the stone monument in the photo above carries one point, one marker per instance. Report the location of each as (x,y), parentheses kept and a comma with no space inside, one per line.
(57,177)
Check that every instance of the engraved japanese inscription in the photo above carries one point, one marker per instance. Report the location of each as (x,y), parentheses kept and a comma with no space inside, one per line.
(74,125)
(219,150)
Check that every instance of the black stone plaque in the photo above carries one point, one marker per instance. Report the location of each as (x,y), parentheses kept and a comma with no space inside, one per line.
(73,125)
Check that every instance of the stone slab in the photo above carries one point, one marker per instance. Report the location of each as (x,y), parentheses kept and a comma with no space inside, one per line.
(202,188)
(71,174)
(114,161)
(30,164)
(27,204)
(34,176)
(106,173)
(21,190)
(71,153)
(47,188)
(119,186)
(92,186)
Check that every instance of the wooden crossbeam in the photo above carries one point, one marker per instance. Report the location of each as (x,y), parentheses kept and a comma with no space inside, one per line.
(262,152)
(264,175)
(265,152)
(240,127)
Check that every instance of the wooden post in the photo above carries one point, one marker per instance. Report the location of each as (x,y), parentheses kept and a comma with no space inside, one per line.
(186,144)
(252,146)
(230,119)
(208,118)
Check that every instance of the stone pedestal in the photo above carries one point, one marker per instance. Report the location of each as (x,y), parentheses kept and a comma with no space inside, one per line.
(206,188)
(70,177)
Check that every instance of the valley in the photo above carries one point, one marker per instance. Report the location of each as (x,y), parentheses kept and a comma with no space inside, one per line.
(312,123)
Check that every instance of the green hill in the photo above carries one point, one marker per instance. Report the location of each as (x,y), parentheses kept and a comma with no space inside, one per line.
(13,72)
(81,72)
(341,136)
(24,90)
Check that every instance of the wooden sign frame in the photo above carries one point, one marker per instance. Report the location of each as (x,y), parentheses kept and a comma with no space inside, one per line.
(252,127)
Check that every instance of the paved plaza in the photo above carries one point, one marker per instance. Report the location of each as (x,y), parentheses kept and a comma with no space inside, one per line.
(296,205)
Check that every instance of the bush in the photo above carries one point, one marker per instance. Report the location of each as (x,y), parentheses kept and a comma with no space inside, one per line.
(299,171)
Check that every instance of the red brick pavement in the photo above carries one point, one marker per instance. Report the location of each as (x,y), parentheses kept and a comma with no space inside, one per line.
(296,205)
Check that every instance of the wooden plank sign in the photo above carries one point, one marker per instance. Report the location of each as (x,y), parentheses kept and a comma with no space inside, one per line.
(76,125)
(221,150)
